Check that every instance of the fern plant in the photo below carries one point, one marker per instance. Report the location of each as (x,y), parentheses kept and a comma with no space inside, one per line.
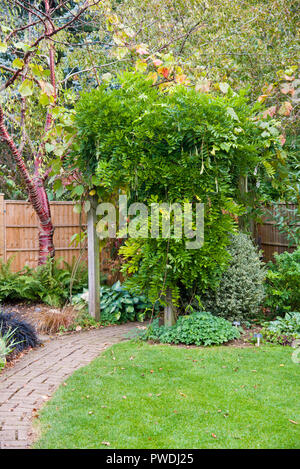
(47,283)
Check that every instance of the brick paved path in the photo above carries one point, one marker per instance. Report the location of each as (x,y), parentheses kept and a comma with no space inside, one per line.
(35,377)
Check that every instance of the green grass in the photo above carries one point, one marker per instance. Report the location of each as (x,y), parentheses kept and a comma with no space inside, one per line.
(177,398)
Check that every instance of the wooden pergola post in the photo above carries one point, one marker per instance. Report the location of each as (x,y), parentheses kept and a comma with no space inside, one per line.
(169,310)
(93,260)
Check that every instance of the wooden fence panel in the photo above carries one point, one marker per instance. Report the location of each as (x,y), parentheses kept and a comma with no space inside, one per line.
(269,238)
(19,238)
(19,234)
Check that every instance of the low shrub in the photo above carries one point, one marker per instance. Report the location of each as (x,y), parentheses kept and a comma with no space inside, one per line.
(54,320)
(283,283)
(7,346)
(283,330)
(200,328)
(83,320)
(47,283)
(23,336)
(241,288)
(117,304)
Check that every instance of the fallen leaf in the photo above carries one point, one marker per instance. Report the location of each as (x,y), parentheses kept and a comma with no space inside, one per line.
(282,139)
(269,112)
(262,98)
(106,443)
(157,62)
(293,421)
(182,394)
(285,109)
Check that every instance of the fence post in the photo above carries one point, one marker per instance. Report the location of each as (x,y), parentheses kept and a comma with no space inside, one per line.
(2,228)
(93,261)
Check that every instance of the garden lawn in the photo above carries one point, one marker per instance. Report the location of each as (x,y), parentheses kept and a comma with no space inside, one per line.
(137,395)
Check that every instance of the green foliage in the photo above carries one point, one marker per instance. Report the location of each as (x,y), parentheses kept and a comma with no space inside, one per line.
(82,320)
(283,283)
(7,346)
(283,330)
(241,289)
(117,304)
(200,328)
(48,283)
(288,222)
(175,146)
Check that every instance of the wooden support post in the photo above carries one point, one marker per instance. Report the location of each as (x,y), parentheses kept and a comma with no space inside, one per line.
(243,188)
(93,261)
(2,228)
(170,309)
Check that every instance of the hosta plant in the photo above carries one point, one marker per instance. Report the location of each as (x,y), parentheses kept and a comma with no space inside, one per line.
(199,328)
(283,330)
(117,304)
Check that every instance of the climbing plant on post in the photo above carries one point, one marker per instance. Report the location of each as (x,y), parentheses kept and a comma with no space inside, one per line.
(178,146)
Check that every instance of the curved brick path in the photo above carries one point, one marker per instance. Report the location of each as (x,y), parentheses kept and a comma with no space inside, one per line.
(35,377)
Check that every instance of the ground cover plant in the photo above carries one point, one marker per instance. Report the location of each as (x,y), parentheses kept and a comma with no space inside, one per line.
(284,330)
(137,395)
(7,345)
(199,328)
(17,333)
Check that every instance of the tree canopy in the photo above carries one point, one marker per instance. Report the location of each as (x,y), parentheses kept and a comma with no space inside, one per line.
(175,146)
